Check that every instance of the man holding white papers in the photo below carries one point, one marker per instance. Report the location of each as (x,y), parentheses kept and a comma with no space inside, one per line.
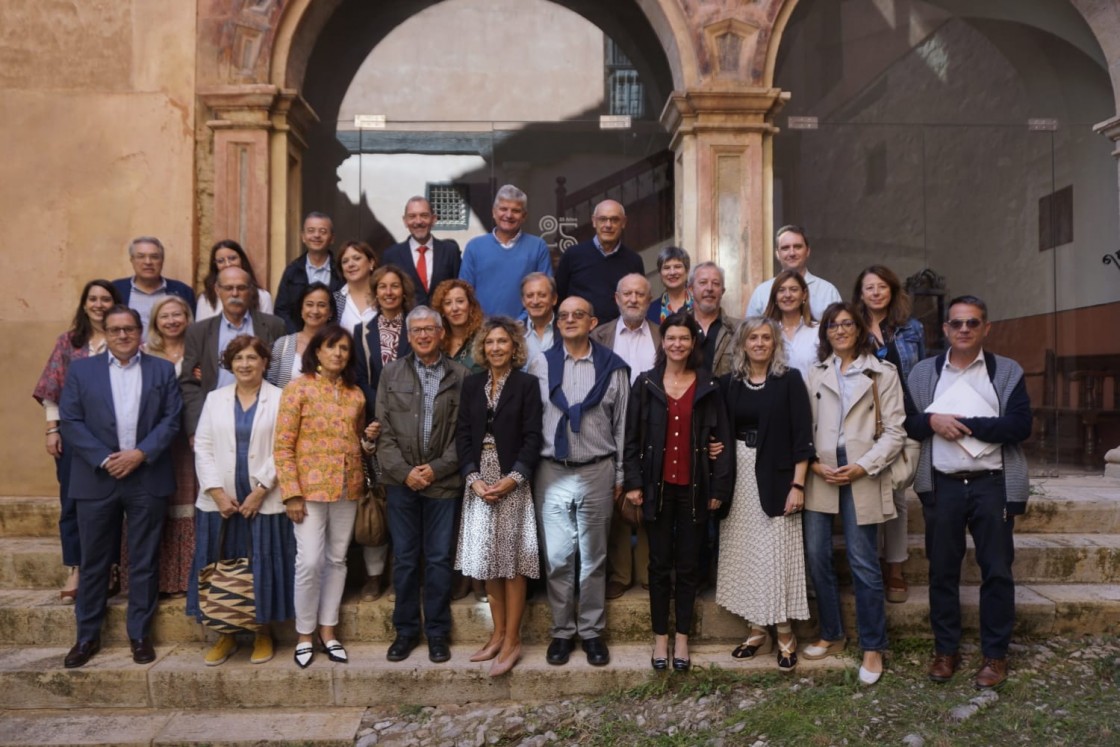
(973,414)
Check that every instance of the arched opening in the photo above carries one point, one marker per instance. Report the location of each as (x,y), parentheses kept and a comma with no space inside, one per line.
(926,137)
(459,124)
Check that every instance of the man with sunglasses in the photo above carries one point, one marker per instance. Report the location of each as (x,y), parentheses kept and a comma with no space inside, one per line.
(983,493)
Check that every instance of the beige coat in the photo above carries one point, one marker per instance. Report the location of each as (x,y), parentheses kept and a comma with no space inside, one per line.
(873,495)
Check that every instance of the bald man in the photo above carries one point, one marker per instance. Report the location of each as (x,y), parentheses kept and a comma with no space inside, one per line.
(591,270)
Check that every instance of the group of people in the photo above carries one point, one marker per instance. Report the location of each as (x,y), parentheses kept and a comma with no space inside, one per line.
(525,424)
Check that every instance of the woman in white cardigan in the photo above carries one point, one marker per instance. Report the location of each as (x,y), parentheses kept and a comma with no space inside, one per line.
(238,486)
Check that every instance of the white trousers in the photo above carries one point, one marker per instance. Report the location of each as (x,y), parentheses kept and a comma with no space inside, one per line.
(322,539)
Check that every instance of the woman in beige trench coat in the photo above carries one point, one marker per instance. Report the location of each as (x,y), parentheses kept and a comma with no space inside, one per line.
(856,441)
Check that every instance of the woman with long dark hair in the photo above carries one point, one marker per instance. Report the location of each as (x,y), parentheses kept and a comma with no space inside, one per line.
(85,337)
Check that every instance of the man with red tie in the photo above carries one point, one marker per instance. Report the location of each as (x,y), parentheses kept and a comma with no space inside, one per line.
(428,260)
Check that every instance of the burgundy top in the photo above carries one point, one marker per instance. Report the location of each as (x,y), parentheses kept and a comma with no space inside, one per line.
(677,469)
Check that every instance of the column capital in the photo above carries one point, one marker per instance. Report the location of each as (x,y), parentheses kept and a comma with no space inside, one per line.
(720,109)
(258,106)
(1110,128)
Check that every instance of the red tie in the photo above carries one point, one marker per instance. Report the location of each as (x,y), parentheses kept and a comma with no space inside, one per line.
(422,267)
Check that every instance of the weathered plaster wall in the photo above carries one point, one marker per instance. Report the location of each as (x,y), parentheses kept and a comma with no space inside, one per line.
(96,131)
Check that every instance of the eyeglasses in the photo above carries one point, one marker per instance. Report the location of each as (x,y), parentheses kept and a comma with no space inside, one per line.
(847,324)
(612,220)
(423,330)
(971,323)
(577,316)
(119,331)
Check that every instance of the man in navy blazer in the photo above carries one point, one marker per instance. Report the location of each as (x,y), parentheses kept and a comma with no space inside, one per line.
(119,412)
(441,257)
(147,284)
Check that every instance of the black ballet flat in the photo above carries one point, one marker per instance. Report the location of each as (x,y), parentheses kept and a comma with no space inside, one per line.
(660,664)
(681,665)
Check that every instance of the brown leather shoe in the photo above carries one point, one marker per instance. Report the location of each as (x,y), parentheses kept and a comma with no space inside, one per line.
(992,674)
(943,667)
(615,589)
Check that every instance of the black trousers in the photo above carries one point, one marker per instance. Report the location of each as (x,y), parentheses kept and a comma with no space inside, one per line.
(978,504)
(674,545)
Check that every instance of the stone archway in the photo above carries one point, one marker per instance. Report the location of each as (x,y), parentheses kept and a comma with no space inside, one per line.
(720,112)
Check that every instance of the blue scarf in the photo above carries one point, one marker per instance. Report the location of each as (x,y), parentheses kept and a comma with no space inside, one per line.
(605,362)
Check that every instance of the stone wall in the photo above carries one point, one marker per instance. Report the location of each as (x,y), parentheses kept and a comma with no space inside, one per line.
(96,135)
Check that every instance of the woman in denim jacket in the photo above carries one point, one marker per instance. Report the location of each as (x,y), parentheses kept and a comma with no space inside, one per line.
(899,338)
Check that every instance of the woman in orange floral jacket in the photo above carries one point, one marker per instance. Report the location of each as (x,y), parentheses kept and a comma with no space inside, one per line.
(318,455)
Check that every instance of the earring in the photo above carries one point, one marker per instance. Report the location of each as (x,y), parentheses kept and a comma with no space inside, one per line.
(319,368)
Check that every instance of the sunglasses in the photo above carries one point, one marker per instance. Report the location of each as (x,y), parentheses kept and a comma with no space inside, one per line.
(958,324)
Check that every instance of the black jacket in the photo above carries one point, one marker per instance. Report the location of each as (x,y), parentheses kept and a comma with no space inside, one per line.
(292,283)
(443,264)
(516,425)
(647,420)
(785,434)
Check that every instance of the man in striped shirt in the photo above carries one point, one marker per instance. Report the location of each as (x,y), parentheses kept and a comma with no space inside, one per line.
(585,387)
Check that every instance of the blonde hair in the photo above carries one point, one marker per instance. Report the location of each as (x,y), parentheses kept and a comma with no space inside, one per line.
(155,344)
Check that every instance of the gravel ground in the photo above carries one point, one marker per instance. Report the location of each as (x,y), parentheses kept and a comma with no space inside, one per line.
(1061,691)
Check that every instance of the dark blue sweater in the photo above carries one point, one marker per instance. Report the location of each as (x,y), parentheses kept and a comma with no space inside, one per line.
(586,273)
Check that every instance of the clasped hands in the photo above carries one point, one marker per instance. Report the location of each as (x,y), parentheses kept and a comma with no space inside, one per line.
(121,464)
(497,491)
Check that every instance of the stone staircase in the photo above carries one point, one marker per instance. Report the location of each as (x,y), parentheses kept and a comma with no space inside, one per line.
(1067,565)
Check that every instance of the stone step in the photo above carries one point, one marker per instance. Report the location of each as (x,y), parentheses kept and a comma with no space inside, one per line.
(129,727)
(33,678)
(1068,505)
(1039,559)
(34,618)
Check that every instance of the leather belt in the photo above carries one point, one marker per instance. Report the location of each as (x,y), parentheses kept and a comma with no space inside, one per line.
(972,475)
(570,463)
(748,436)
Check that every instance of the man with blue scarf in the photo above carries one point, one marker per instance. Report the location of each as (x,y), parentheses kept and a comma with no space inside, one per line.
(585,387)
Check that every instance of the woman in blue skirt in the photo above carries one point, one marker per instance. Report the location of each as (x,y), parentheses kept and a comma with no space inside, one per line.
(238,486)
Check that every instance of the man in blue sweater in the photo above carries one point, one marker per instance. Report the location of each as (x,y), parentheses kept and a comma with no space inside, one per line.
(495,263)
(592,269)
(983,490)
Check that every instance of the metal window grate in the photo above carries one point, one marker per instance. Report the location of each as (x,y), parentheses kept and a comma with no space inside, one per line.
(625,92)
(452,204)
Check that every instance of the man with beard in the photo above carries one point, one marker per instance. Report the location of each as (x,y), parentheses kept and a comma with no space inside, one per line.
(707,287)
(635,340)
(206,340)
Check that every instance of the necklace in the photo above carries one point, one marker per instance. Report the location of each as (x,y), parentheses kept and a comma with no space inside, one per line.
(754,387)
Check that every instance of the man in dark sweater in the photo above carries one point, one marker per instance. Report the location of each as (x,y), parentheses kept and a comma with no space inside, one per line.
(591,270)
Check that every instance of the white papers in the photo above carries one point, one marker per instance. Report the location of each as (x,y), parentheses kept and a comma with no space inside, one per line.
(961,399)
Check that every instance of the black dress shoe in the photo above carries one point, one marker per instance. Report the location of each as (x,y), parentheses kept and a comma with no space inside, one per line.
(142,650)
(681,665)
(559,651)
(439,650)
(597,653)
(659,664)
(82,652)
(402,647)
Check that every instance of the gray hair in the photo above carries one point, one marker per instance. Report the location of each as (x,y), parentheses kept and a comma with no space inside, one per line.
(511,193)
(145,240)
(539,276)
(621,280)
(704,266)
(418,198)
(420,313)
(319,216)
(673,252)
(740,363)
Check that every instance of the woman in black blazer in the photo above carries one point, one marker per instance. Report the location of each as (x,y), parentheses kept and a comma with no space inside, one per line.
(499,441)
(761,553)
(675,411)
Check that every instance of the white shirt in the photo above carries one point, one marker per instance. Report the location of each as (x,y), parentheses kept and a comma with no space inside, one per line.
(821,294)
(635,346)
(802,349)
(127,383)
(350,316)
(948,456)
(538,344)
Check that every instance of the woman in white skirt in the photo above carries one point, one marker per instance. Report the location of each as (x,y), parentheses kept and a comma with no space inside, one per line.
(761,564)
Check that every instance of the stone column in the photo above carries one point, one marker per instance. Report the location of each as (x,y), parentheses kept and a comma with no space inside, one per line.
(258,138)
(724,176)
(1110,128)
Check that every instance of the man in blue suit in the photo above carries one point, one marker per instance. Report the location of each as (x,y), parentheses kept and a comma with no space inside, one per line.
(436,259)
(119,412)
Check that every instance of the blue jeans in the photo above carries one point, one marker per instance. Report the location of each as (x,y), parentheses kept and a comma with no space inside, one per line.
(862,543)
(423,532)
